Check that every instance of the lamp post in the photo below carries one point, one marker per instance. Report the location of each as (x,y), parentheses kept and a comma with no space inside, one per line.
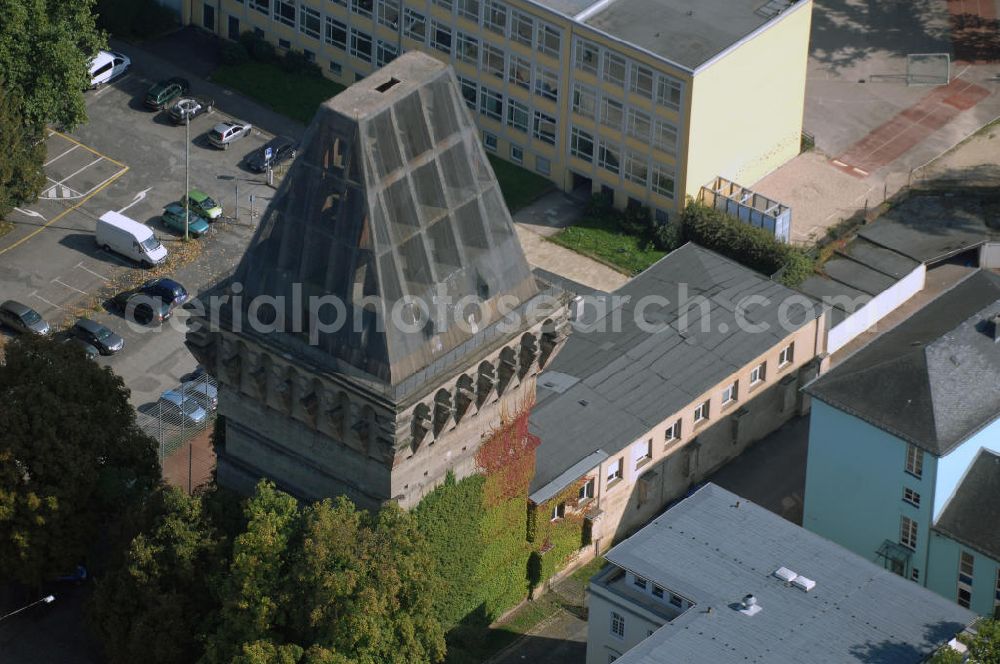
(187,171)
(48,599)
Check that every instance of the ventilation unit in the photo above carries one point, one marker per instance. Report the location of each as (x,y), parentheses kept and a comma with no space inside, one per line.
(785,574)
(803,583)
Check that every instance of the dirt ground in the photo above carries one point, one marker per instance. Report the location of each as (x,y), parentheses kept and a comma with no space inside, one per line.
(191,466)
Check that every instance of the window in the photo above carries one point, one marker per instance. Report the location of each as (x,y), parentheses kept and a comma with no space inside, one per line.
(362,7)
(966,567)
(665,136)
(520,72)
(676,600)
(284,43)
(549,39)
(911,496)
(731,392)
(586,56)
(614,69)
(522,27)
(414,25)
(668,92)
(637,124)
(558,512)
(701,412)
(908,532)
(584,100)
(642,452)
(309,23)
(446,4)
(545,128)
(470,92)
(587,490)
(518,115)
(636,169)
(663,182)
(615,470)
(915,575)
(612,113)
(617,625)
(640,582)
(284,12)
(467,48)
(996,597)
(914,461)
(516,154)
(496,17)
(469,9)
(336,67)
(546,83)
(964,597)
(758,374)
(309,55)
(581,144)
(657,591)
(608,157)
(441,37)
(336,33)
(641,81)
(491,103)
(385,52)
(543,165)
(787,355)
(388,13)
(361,45)
(493,60)
(342,3)
(263,6)
(673,432)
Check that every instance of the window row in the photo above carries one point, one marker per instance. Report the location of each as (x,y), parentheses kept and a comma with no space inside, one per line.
(650,588)
(508,22)
(633,167)
(627,75)
(360,44)
(634,122)
(520,116)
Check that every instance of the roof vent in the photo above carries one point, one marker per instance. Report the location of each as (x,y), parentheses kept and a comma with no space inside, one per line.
(388,84)
(803,583)
(749,606)
(785,574)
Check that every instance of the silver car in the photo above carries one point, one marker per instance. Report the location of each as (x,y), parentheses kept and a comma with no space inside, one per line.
(22,319)
(225,134)
(180,408)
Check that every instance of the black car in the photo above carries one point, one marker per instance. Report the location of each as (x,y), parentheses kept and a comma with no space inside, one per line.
(76,342)
(190,108)
(164,92)
(22,319)
(282,149)
(98,336)
(152,302)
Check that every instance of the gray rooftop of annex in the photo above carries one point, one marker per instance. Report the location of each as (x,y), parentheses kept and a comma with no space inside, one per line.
(931,380)
(972,514)
(714,552)
(686,32)
(609,386)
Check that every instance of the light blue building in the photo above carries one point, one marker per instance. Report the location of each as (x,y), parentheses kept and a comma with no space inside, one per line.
(896,427)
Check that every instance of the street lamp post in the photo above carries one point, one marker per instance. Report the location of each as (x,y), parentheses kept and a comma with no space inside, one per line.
(48,599)
(187,171)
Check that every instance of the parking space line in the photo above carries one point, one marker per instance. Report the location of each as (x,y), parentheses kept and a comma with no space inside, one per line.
(80,170)
(87,269)
(90,149)
(35,294)
(63,283)
(61,155)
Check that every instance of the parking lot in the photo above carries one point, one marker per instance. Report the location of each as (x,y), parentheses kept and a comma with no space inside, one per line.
(131,160)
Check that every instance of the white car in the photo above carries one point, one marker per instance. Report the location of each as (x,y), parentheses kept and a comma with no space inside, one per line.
(107,65)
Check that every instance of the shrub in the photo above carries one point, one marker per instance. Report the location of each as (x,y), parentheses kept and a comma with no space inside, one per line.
(296,62)
(234,53)
(259,48)
(135,18)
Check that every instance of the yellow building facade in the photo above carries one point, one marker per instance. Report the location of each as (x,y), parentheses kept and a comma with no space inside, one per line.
(647,100)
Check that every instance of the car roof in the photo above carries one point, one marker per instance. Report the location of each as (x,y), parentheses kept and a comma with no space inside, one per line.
(223,126)
(15,307)
(166,282)
(101,58)
(176,208)
(172,396)
(197,195)
(87,324)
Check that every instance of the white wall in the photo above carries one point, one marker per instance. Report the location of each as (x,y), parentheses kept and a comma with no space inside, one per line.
(877,308)
(989,255)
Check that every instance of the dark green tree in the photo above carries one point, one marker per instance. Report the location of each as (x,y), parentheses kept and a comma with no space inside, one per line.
(21,175)
(984,646)
(71,457)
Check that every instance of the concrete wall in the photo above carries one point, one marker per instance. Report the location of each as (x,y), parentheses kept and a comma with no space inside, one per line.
(989,255)
(942,577)
(747,107)
(855,476)
(953,466)
(877,308)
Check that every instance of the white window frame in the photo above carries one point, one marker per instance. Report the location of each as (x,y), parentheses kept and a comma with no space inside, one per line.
(356,38)
(584,100)
(493,60)
(558,512)
(609,157)
(438,29)
(618,625)
(910,496)
(577,140)
(385,52)
(549,39)
(612,113)
(546,83)
(966,570)
(908,532)
(333,24)
(519,72)
(614,69)
(516,153)
(543,165)
(787,355)
(539,128)
(305,15)
(730,393)
(495,17)
(638,124)
(641,80)
(411,21)
(758,374)
(665,136)
(668,92)
(642,452)
(279,5)
(263,6)
(466,48)
(586,56)
(522,28)
(587,490)
(615,470)
(487,95)
(385,10)
(662,181)
(914,460)
(470,10)
(636,169)
(467,85)
(702,412)
(358,7)
(518,115)
(673,432)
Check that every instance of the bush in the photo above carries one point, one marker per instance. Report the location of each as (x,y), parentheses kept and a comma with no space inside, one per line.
(296,62)
(235,54)
(135,18)
(259,48)
(635,220)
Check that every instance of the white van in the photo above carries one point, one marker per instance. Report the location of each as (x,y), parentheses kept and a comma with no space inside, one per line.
(107,65)
(118,233)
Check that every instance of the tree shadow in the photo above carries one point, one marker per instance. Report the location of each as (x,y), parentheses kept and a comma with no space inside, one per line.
(935,635)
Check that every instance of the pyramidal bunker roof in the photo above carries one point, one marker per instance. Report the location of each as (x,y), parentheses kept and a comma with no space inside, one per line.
(392,209)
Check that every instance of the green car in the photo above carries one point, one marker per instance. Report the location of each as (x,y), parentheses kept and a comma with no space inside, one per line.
(173,218)
(164,92)
(204,205)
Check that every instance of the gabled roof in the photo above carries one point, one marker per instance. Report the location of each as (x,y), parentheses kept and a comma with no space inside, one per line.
(391,198)
(715,547)
(931,380)
(972,516)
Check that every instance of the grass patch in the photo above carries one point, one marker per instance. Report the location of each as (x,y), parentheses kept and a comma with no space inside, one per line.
(295,94)
(475,643)
(582,575)
(605,240)
(519,186)
(5,227)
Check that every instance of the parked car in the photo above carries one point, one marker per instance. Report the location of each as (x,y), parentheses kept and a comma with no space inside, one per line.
(282,149)
(162,93)
(22,319)
(107,65)
(188,108)
(76,342)
(116,232)
(153,301)
(173,218)
(98,336)
(225,134)
(203,392)
(185,410)
(204,204)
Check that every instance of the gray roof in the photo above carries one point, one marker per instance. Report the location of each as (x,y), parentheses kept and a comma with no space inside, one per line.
(391,197)
(609,386)
(714,552)
(931,380)
(972,514)
(687,32)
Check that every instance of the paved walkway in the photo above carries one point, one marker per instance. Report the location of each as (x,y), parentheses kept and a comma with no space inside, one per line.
(566,263)
(561,639)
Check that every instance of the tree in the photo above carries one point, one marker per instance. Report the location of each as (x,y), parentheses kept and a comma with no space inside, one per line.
(983,645)
(21,175)
(71,457)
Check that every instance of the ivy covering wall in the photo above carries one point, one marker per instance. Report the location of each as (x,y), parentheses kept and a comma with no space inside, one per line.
(555,540)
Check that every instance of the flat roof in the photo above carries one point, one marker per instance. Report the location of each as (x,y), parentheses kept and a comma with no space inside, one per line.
(715,547)
(687,32)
